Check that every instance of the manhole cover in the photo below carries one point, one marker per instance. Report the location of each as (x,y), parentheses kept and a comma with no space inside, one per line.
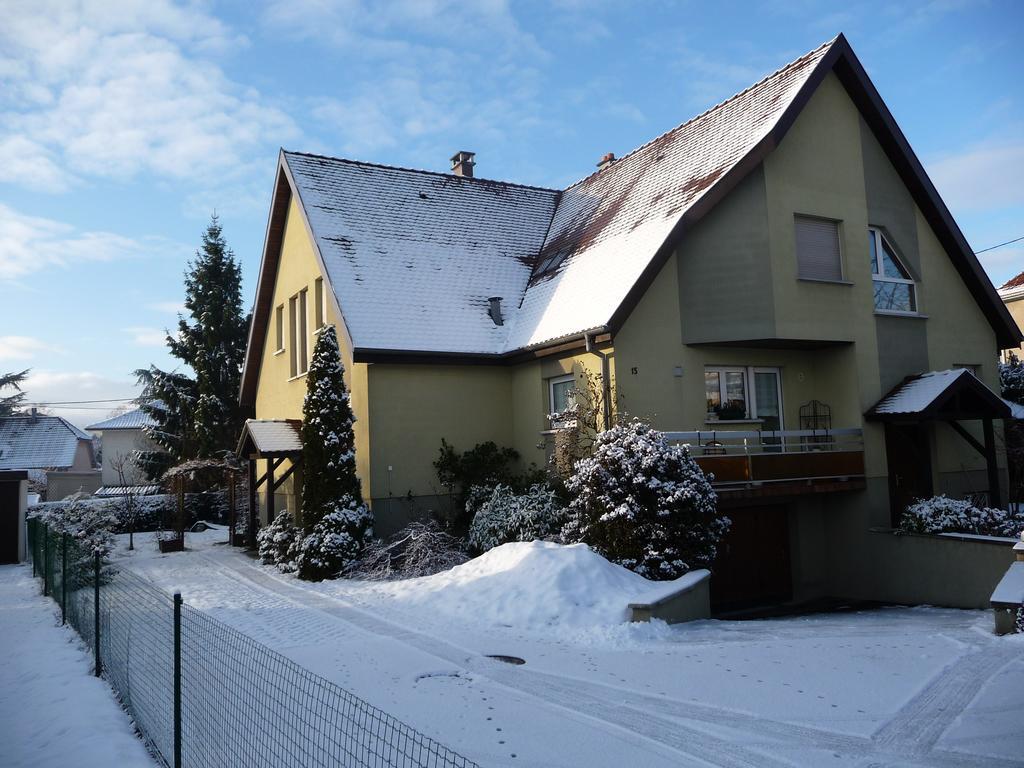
(505,659)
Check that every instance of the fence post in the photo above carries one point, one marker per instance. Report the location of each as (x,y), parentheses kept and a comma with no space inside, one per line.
(46,560)
(32,546)
(64,578)
(96,612)
(177,680)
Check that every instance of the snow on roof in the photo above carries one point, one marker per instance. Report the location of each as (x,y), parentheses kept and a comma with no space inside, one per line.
(917,394)
(273,435)
(124,490)
(38,442)
(414,256)
(1016,409)
(136,419)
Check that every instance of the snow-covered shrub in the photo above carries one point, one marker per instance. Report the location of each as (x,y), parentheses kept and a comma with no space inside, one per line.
(1011,380)
(505,516)
(941,514)
(336,541)
(90,525)
(278,543)
(422,548)
(644,503)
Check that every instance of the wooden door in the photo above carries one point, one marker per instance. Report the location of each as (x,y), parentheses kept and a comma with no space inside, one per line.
(753,563)
(9,519)
(908,456)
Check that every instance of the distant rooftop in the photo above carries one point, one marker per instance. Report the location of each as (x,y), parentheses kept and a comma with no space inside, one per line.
(39,442)
(136,419)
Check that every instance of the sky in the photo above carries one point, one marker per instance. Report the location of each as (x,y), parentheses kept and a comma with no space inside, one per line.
(125,124)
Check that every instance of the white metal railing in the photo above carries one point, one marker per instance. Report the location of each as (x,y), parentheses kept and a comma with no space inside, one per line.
(744,442)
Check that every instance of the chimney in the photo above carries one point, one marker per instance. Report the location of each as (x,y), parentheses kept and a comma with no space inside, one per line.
(606,161)
(462,163)
(495,310)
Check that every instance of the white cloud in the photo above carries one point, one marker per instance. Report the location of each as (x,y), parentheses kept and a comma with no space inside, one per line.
(168,307)
(32,243)
(984,176)
(24,347)
(117,89)
(48,386)
(147,337)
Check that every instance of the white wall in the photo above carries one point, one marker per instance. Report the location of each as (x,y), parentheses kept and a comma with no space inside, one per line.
(118,443)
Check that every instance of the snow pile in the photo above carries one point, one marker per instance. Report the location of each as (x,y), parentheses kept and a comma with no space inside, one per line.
(532,585)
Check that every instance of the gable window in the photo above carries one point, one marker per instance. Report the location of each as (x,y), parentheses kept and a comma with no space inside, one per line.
(279,328)
(298,334)
(560,397)
(895,290)
(293,347)
(318,298)
(818,255)
(303,333)
(744,393)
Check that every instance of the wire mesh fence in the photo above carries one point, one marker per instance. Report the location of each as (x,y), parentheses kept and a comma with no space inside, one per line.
(203,694)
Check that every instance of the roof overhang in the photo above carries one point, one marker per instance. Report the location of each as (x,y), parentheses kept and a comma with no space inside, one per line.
(270,439)
(952,395)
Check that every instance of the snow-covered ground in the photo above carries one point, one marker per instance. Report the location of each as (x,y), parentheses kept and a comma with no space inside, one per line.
(53,712)
(887,687)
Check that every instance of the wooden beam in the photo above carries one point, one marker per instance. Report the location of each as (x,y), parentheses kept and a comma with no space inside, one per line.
(286,475)
(995,497)
(253,516)
(270,490)
(958,428)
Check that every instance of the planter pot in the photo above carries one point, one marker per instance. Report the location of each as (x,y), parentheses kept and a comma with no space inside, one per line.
(172,545)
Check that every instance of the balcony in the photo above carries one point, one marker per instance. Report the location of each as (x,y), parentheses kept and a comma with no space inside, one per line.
(761,464)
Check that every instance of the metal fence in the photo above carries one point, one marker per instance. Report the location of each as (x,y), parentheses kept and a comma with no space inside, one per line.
(204,695)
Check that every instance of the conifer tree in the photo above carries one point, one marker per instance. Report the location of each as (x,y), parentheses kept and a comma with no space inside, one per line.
(10,403)
(334,517)
(199,415)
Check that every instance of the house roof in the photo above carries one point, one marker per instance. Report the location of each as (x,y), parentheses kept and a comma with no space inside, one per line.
(106,491)
(414,256)
(270,437)
(136,419)
(957,391)
(39,442)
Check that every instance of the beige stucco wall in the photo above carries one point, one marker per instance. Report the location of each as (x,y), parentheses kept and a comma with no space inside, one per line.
(118,445)
(1015,306)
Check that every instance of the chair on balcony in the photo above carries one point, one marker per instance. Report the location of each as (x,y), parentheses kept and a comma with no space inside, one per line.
(816,416)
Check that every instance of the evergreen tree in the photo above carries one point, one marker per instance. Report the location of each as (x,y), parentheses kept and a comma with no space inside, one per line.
(199,415)
(334,517)
(9,403)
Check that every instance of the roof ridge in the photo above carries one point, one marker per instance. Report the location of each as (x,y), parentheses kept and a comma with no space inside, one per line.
(711,109)
(419,170)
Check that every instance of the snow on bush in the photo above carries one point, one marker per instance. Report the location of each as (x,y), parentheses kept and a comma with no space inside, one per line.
(278,543)
(504,516)
(91,526)
(1011,380)
(422,548)
(337,540)
(644,503)
(941,514)
(148,511)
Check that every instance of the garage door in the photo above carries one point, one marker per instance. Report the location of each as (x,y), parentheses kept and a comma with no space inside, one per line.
(9,498)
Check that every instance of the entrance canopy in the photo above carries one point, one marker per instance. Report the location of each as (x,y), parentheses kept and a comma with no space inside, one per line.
(270,439)
(952,395)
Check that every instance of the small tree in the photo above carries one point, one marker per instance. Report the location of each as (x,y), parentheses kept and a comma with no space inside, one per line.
(644,503)
(128,502)
(336,521)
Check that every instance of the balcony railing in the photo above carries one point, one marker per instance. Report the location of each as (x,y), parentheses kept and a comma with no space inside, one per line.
(802,460)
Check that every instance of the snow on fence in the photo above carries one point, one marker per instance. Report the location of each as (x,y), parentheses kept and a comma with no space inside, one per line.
(204,695)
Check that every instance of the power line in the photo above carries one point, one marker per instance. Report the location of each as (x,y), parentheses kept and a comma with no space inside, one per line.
(993,247)
(79,402)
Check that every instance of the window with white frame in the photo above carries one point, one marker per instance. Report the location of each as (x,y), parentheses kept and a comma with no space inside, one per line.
(818,254)
(561,390)
(279,327)
(744,393)
(298,334)
(318,298)
(895,290)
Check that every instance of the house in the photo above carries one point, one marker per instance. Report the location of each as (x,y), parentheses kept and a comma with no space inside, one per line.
(1012,294)
(120,437)
(769,282)
(50,447)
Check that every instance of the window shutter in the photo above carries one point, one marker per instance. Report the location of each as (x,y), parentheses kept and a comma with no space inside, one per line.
(817,249)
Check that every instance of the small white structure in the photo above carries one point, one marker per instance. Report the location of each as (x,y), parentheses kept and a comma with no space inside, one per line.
(13,506)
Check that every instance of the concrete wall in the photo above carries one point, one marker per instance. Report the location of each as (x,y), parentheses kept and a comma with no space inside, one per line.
(61,484)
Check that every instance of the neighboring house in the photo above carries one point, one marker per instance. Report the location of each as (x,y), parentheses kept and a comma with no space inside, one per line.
(1012,294)
(780,261)
(50,446)
(120,437)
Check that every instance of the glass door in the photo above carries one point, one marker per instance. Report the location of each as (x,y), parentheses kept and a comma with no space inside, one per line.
(768,394)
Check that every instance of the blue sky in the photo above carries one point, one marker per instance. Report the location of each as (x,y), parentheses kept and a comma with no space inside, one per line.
(124,124)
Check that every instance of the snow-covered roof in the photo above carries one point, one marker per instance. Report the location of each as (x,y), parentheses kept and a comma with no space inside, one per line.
(929,391)
(124,490)
(414,256)
(1016,409)
(136,419)
(39,442)
(272,436)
